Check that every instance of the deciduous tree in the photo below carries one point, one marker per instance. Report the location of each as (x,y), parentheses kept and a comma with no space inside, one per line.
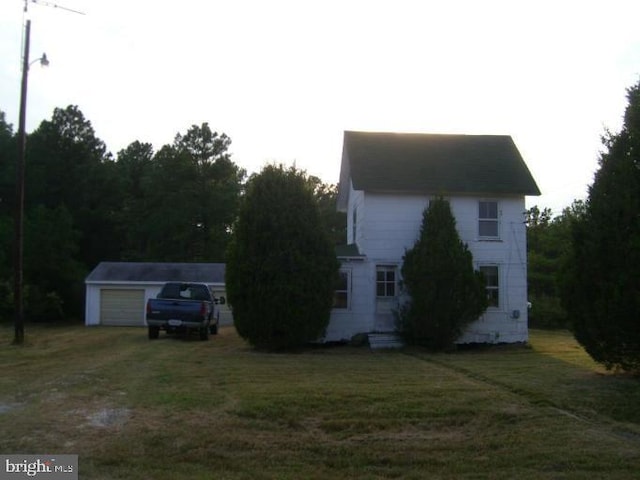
(547,240)
(335,222)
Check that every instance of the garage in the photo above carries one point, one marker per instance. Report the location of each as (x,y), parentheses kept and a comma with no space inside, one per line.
(122,307)
(117,292)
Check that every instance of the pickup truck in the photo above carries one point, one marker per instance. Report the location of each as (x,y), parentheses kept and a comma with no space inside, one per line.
(183,307)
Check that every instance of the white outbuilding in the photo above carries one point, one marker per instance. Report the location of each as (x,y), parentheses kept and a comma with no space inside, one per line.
(117,292)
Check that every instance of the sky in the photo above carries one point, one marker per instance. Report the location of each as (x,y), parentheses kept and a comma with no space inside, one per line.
(284,78)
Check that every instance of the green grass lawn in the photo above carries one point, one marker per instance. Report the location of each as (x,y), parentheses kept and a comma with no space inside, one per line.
(174,408)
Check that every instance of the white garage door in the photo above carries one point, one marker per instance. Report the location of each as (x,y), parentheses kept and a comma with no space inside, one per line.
(122,307)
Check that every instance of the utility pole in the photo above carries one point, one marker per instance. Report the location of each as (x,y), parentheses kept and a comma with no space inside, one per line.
(18,300)
(18,277)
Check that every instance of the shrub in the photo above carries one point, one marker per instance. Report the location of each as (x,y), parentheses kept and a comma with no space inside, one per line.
(281,266)
(445,292)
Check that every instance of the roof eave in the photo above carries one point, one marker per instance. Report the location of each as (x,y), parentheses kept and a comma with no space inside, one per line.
(344,184)
(433,192)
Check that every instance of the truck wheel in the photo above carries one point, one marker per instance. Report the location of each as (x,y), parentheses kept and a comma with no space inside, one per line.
(154,332)
(204,333)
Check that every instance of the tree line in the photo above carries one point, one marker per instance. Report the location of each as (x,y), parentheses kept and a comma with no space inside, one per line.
(548,249)
(181,203)
(83,205)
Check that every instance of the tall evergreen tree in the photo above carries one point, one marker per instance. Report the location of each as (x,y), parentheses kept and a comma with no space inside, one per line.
(445,293)
(191,195)
(134,164)
(69,165)
(602,280)
(281,266)
(71,196)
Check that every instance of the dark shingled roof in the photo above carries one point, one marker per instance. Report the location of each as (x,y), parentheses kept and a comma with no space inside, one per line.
(350,250)
(436,163)
(157,272)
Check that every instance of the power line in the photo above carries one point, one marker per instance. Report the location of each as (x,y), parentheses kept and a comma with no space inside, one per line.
(53,5)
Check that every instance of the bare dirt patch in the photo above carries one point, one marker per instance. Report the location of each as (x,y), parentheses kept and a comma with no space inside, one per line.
(109,417)
(7,407)
(104,417)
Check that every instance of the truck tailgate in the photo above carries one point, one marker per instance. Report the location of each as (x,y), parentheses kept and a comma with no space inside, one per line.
(186,310)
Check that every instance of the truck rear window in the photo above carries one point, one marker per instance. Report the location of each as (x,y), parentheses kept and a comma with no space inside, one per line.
(184,291)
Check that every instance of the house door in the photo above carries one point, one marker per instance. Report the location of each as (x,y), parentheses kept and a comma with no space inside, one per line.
(386,297)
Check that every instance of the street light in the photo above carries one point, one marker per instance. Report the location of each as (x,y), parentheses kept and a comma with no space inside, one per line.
(19,219)
(44,61)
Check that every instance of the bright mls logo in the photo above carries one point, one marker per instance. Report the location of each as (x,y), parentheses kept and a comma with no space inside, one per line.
(49,467)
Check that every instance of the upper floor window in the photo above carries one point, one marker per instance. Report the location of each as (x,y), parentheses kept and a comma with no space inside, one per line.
(488,219)
(386,281)
(342,291)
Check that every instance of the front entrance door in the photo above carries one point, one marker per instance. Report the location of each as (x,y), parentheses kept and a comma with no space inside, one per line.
(386,297)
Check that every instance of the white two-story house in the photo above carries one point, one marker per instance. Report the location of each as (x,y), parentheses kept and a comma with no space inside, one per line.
(386,182)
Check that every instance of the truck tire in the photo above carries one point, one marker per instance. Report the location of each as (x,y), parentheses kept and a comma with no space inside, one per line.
(154,332)
(204,333)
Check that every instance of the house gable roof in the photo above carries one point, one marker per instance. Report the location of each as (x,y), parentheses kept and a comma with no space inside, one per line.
(432,164)
(157,272)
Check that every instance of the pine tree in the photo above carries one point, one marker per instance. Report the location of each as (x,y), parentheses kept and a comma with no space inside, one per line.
(602,280)
(445,292)
(281,266)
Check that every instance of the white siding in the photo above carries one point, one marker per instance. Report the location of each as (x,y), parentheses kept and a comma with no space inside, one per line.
(358,318)
(92,306)
(389,224)
(510,254)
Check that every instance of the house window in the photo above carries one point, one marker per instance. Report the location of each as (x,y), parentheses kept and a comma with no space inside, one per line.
(342,291)
(386,281)
(492,279)
(488,219)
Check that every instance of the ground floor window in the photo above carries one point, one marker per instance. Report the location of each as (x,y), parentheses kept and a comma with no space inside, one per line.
(386,281)
(492,279)
(343,289)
